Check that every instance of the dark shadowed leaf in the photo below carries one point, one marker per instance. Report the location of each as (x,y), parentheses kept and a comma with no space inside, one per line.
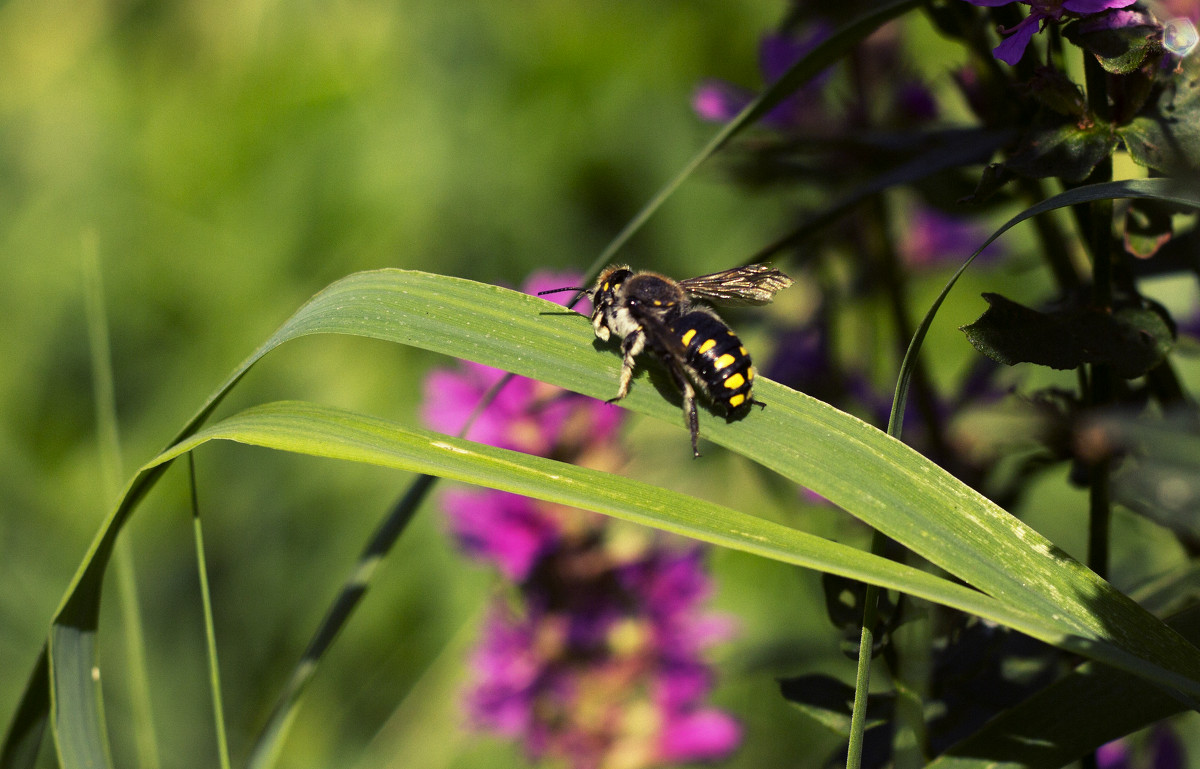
(1068,719)
(1067,152)
(1166,136)
(1058,92)
(1132,341)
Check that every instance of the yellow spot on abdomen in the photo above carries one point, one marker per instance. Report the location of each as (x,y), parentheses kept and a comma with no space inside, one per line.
(735,381)
(723,361)
(708,345)
(737,400)
(688,335)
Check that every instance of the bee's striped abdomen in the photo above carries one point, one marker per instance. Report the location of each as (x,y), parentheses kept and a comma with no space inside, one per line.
(716,357)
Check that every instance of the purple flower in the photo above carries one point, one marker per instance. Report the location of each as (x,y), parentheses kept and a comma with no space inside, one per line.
(720,101)
(700,735)
(599,671)
(1114,755)
(1012,48)
(933,238)
(509,530)
(602,663)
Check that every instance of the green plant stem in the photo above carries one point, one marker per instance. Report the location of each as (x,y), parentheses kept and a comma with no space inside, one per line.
(1102,380)
(1099,519)
(210,636)
(862,675)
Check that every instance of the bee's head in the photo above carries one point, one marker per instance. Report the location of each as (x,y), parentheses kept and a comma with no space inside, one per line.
(609,283)
(603,292)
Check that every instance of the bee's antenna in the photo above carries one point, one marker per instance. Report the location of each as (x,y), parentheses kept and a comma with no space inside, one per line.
(560,290)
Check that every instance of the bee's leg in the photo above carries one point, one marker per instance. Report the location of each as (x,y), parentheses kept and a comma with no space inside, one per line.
(600,324)
(689,410)
(631,346)
(689,405)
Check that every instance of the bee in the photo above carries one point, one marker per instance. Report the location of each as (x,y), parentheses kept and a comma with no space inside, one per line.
(649,311)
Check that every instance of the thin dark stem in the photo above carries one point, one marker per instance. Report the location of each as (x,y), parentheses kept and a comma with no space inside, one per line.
(1102,380)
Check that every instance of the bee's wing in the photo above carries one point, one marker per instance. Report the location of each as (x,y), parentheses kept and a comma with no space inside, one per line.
(753,284)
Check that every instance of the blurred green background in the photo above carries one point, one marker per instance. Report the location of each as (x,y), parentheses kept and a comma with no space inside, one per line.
(222,161)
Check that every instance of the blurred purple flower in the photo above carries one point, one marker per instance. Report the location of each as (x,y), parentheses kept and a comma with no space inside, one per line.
(721,101)
(1190,324)
(803,360)
(602,664)
(1114,755)
(701,735)
(1162,749)
(1012,47)
(507,529)
(933,239)
(598,671)
(915,102)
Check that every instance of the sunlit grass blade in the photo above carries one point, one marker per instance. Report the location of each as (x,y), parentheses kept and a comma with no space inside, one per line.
(322,431)
(307,428)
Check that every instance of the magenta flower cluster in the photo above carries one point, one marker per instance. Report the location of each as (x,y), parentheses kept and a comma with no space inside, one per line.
(599,660)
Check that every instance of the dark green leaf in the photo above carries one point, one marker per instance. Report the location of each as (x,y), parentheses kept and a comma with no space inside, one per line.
(1166,135)
(1067,152)
(1132,341)
(1060,93)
